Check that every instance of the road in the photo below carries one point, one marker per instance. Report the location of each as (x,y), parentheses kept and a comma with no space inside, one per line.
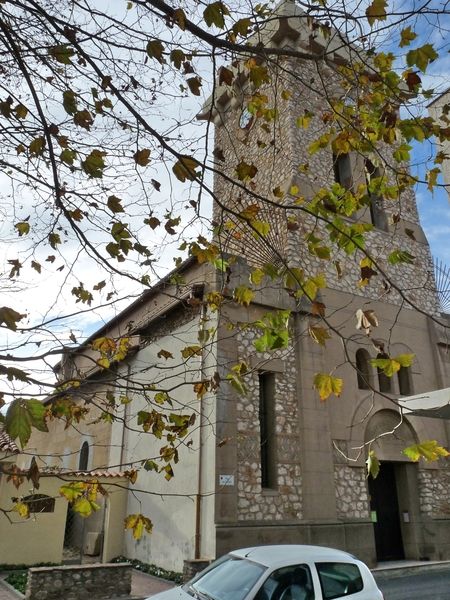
(434,585)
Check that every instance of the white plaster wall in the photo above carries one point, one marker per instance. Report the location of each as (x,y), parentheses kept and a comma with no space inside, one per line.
(171,505)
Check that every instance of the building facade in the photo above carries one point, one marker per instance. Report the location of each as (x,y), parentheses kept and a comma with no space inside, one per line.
(276,465)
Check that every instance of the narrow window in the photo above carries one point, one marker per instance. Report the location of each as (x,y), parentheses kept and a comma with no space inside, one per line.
(404,381)
(384,382)
(84,457)
(377,213)
(342,170)
(363,369)
(267,430)
(39,503)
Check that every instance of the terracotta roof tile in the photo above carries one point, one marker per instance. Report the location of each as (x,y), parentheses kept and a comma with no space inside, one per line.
(6,443)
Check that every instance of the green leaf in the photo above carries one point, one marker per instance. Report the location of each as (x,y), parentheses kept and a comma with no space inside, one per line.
(401,256)
(155,49)
(214,14)
(62,54)
(54,239)
(94,163)
(326,385)
(70,102)
(376,11)
(37,146)
(402,153)
(21,416)
(428,450)
(10,317)
(73,490)
(372,464)
(68,156)
(407,36)
(421,57)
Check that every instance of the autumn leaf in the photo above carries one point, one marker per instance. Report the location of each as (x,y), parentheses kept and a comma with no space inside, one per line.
(138,525)
(366,320)
(376,11)
(407,35)
(421,57)
(73,490)
(191,351)
(185,167)
(114,204)
(164,354)
(23,228)
(10,317)
(62,54)
(194,84)
(21,416)
(326,385)
(319,334)
(142,157)
(214,14)
(155,49)
(372,464)
(243,295)
(94,164)
(428,450)
(22,509)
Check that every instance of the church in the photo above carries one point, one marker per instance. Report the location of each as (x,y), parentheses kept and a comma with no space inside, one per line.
(276,464)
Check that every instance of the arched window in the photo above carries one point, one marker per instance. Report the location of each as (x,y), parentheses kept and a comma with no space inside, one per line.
(342,167)
(404,381)
(39,503)
(377,214)
(84,457)
(363,370)
(384,382)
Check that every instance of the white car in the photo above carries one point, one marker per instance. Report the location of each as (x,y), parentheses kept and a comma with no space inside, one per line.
(280,573)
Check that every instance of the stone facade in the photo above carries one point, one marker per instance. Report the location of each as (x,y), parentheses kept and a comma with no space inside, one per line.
(78,582)
(434,486)
(352,499)
(255,503)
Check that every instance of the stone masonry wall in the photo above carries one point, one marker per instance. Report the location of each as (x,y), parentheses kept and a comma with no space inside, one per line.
(254,503)
(79,582)
(279,151)
(434,491)
(352,499)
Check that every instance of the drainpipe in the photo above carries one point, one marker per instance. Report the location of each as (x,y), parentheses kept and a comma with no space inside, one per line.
(198,499)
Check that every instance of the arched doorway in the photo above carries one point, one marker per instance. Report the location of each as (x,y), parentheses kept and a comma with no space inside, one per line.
(394,501)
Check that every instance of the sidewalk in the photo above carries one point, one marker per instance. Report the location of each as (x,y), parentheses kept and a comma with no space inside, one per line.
(143,585)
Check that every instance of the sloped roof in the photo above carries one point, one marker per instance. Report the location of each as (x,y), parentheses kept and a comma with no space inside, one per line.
(6,443)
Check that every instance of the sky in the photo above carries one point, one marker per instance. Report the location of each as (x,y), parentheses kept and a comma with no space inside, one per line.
(41,295)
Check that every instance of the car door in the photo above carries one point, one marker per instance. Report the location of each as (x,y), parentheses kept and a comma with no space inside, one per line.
(344,580)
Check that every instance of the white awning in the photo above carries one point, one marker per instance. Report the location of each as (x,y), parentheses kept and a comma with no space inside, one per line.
(429,404)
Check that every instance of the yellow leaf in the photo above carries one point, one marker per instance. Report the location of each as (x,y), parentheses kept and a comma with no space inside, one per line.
(104,345)
(22,509)
(326,385)
(138,524)
(428,450)
(319,335)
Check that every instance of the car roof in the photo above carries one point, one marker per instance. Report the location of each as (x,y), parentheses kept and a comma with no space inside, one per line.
(287,554)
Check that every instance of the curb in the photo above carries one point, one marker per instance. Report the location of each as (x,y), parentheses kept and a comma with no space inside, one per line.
(400,571)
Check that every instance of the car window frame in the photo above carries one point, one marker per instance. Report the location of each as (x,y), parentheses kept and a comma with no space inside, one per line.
(340,562)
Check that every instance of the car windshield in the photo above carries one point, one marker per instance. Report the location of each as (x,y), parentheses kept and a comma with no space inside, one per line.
(228,579)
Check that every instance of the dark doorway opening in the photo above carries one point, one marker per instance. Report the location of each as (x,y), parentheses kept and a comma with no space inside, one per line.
(385,514)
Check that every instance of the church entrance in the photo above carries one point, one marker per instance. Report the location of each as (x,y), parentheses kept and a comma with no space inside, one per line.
(385,513)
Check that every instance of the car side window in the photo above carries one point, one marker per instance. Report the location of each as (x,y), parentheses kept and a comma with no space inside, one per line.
(288,583)
(339,579)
